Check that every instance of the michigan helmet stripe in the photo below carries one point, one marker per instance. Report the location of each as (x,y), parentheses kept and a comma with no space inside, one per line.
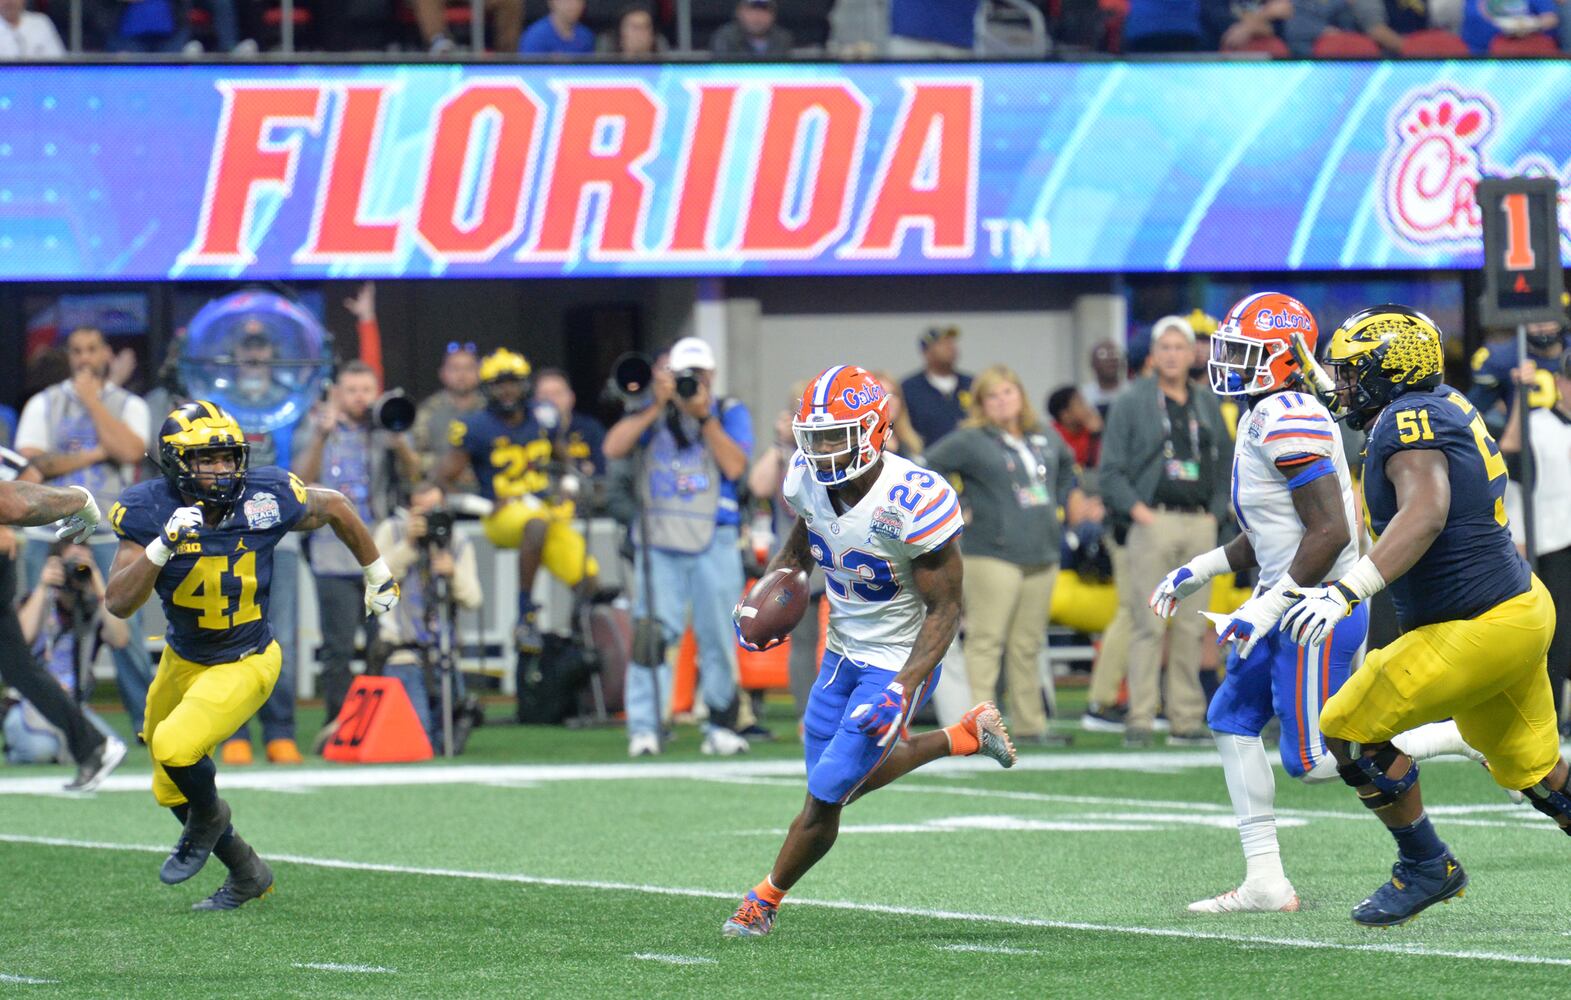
(212,411)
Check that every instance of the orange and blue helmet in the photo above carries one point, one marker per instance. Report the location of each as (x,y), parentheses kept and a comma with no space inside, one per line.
(841,424)
(1250,351)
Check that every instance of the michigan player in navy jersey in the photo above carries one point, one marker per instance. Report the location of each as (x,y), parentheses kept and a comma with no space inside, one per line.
(202,536)
(511,455)
(1475,621)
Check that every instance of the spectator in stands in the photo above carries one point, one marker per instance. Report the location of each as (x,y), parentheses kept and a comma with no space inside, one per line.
(257,389)
(1314,18)
(1484,20)
(459,396)
(1164,26)
(578,437)
(64,623)
(143,26)
(1164,475)
(939,396)
(694,452)
(1253,20)
(26,34)
(1078,423)
(1551,432)
(561,32)
(86,432)
(507,21)
(932,29)
(7,426)
(905,441)
(1107,381)
(1015,476)
(418,558)
(635,35)
(765,481)
(338,448)
(752,34)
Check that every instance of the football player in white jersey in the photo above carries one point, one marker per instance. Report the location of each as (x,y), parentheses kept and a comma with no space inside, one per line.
(1293,498)
(885,532)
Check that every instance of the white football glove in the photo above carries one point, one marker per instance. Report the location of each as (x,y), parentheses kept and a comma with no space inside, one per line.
(1317,612)
(182,526)
(1256,617)
(79,527)
(1186,580)
(381,590)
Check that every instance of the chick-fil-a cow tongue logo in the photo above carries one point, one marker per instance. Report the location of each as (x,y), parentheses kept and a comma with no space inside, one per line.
(1433,164)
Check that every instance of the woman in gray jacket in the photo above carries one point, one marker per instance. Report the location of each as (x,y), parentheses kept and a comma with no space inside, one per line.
(1015,476)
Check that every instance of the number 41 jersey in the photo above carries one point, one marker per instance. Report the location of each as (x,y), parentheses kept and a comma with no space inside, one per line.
(215,590)
(875,611)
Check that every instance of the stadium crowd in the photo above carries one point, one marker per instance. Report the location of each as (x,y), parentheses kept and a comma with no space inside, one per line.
(777,29)
(1074,513)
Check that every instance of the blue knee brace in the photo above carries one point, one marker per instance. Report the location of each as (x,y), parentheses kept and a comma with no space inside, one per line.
(1367,776)
(1554,804)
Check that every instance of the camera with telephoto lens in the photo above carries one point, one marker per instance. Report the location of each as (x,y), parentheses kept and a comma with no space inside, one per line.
(78,575)
(687,383)
(394,412)
(630,383)
(438,529)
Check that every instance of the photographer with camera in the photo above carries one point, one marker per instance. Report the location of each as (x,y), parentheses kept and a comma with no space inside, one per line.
(577,438)
(438,576)
(64,625)
(342,447)
(693,451)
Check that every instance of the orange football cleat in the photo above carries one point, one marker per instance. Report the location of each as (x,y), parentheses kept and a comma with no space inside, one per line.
(283,752)
(237,753)
(986,724)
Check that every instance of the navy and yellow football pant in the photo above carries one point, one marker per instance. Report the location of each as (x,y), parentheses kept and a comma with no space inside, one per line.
(1488,673)
(192,707)
(565,555)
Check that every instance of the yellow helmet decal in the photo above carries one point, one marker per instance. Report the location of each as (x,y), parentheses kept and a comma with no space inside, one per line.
(503,363)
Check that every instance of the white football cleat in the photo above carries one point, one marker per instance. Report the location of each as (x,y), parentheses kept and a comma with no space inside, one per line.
(1251,898)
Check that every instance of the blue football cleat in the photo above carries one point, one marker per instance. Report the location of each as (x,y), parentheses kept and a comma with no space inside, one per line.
(1414,888)
(252,881)
(195,845)
(754,918)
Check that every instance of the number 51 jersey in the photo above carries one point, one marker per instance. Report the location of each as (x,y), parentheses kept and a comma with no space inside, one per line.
(875,611)
(215,590)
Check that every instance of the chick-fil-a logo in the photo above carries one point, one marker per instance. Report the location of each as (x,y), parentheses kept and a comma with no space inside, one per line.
(1438,152)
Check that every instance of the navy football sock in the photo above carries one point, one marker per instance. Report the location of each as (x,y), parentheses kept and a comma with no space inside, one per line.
(197,782)
(526,604)
(222,849)
(1419,842)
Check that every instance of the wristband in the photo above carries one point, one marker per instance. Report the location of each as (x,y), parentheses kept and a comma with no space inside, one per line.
(1364,580)
(87,497)
(158,552)
(377,573)
(1209,565)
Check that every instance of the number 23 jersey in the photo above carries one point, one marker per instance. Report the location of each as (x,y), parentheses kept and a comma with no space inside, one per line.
(215,591)
(875,610)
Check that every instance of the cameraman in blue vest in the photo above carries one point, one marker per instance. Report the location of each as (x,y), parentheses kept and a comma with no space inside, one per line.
(692,450)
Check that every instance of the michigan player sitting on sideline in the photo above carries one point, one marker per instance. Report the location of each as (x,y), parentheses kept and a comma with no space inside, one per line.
(885,532)
(510,453)
(1293,498)
(203,537)
(1475,621)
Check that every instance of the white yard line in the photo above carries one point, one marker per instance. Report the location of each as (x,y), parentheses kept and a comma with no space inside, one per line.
(1417,950)
(340,967)
(653,956)
(989,949)
(26,980)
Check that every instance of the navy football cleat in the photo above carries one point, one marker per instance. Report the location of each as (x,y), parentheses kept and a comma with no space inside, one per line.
(1414,888)
(254,882)
(195,846)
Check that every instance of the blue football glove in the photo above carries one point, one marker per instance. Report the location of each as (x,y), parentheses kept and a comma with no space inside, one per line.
(1317,612)
(881,717)
(737,614)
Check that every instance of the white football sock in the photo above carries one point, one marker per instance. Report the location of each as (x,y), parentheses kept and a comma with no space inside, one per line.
(1433,740)
(1252,787)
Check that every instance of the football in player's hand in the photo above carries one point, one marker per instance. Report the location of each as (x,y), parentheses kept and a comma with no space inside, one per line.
(773,607)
